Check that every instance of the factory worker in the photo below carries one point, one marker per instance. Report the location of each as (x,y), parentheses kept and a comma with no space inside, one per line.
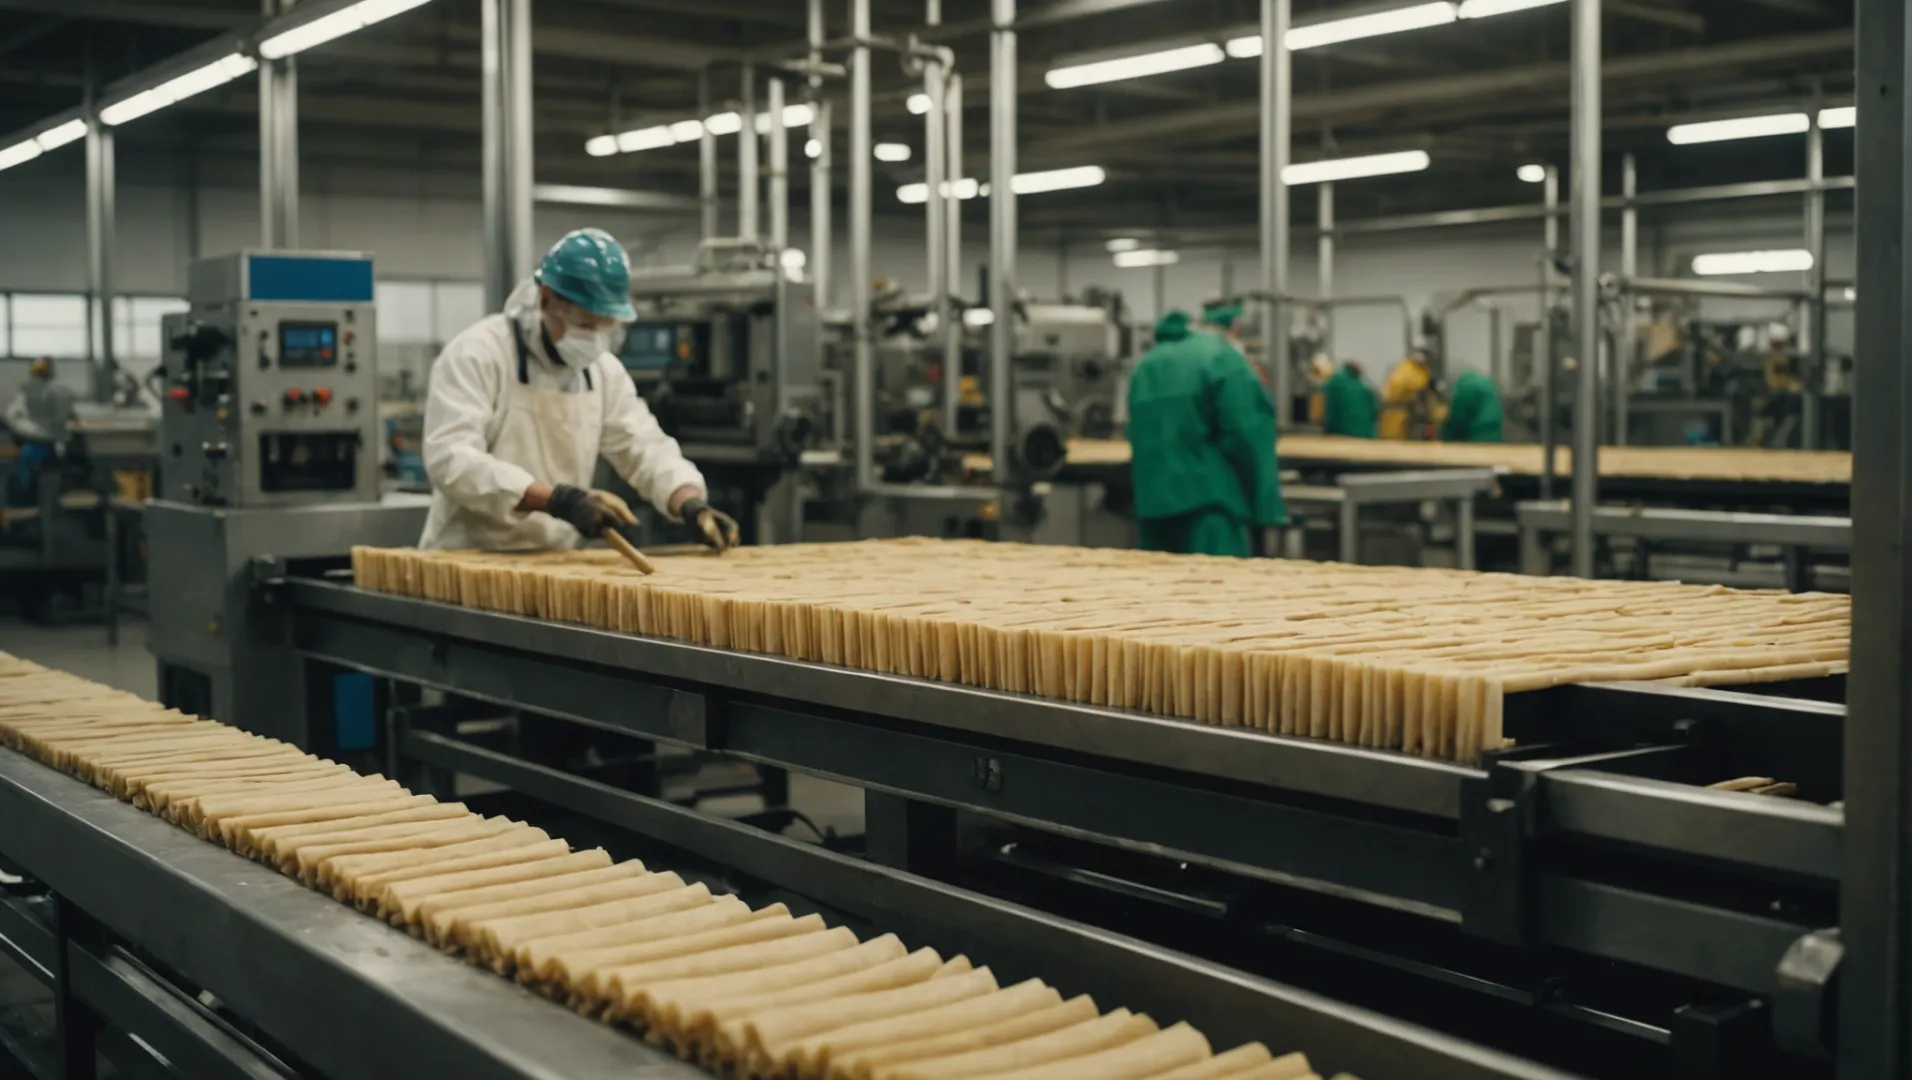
(1473,411)
(524,402)
(39,417)
(1202,442)
(1404,397)
(1348,403)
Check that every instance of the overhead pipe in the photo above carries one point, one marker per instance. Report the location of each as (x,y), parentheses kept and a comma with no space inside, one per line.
(1277,79)
(1586,278)
(1002,230)
(863,371)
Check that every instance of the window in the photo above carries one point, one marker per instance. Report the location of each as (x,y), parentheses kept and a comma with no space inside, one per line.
(455,306)
(427,313)
(49,324)
(136,320)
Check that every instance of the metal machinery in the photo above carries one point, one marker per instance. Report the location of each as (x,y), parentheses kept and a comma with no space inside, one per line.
(270,438)
(727,353)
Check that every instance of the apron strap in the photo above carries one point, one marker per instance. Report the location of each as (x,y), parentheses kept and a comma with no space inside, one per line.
(588,385)
(517,338)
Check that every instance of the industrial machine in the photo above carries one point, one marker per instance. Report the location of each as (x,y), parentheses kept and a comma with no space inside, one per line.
(726,351)
(271,382)
(270,438)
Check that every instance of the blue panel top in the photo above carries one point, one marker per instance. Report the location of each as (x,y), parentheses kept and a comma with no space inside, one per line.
(314,280)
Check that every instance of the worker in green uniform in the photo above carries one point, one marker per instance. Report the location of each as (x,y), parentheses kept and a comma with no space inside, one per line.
(1202,441)
(1473,412)
(1349,404)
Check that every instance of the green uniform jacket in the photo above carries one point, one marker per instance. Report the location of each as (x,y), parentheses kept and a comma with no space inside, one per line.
(1473,415)
(1201,431)
(1349,405)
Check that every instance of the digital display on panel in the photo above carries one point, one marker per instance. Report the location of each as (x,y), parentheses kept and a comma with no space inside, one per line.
(308,344)
(650,346)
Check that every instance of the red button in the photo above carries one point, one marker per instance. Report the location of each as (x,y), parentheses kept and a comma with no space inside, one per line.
(293,397)
(323,395)
(177,393)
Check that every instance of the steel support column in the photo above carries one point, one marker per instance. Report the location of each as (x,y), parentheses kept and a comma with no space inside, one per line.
(706,160)
(1549,361)
(1324,261)
(938,188)
(102,230)
(1815,342)
(953,246)
(748,177)
(821,237)
(278,147)
(1586,278)
(1277,78)
(506,60)
(1875,907)
(1621,364)
(864,364)
(779,170)
(1002,228)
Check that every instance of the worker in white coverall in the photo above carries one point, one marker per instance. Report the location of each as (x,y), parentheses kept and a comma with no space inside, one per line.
(523,403)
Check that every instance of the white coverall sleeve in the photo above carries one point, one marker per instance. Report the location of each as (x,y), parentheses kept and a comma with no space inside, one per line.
(21,421)
(649,460)
(465,387)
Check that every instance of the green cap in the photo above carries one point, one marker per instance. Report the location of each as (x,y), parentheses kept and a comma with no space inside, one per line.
(1172,327)
(589,268)
(1222,314)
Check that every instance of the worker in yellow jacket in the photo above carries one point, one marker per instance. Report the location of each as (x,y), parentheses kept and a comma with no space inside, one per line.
(1407,398)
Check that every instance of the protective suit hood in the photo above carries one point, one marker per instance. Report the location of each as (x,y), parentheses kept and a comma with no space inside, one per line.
(1172,327)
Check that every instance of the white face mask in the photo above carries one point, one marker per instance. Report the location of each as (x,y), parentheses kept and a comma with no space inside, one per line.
(580,347)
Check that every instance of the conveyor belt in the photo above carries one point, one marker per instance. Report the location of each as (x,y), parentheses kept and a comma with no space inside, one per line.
(1383,657)
(758,993)
(1721,464)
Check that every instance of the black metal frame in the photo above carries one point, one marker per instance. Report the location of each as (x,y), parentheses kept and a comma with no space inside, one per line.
(1540,848)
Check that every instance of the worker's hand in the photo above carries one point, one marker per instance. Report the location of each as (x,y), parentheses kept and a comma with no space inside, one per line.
(589,511)
(715,529)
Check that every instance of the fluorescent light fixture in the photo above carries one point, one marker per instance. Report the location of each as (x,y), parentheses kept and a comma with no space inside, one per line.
(1839,116)
(797,115)
(1752,262)
(1244,48)
(812,149)
(892,151)
(1354,168)
(19,154)
(793,259)
(1481,9)
(1531,174)
(601,145)
(1744,127)
(687,130)
(1131,260)
(55,137)
(649,138)
(1081,176)
(217,73)
(724,123)
(336,25)
(1123,243)
(978,316)
(966,188)
(1135,67)
(918,103)
(1416,17)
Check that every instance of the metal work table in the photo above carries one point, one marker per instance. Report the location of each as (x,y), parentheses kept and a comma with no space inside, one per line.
(1794,532)
(1382,828)
(345,994)
(1352,491)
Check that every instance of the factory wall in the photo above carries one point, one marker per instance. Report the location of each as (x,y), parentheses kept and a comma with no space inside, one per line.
(429,236)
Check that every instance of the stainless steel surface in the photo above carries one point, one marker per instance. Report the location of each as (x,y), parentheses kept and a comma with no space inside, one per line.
(505,56)
(1586,278)
(953,248)
(1002,231)
(706,158)
(1538,519)
(1815,373)
(1277,78)
(1620,387)
(520,145)
(863,374)
(102,242)
(1549,360)
(1352,491)
(1324,266)
(201,605)
(749,180)
(1875,905)
(278,146)
(779,170)
(346,994)
(1726,290)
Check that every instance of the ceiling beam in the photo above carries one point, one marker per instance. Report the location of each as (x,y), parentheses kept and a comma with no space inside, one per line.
(195,16)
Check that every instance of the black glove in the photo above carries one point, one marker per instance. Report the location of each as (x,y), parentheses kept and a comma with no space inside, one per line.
(589,512)
(715,529)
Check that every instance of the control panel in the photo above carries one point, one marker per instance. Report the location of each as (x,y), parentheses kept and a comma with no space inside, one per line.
(271,382)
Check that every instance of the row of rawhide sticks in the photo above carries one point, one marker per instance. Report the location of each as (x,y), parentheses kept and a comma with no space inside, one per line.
(746,992)
(1398,658)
